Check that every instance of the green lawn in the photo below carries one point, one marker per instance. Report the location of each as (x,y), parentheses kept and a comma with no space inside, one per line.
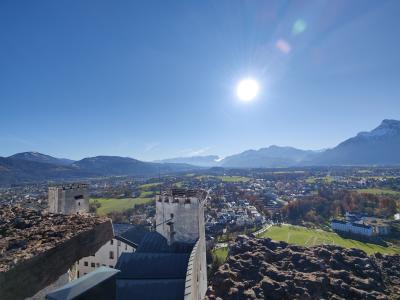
(311,237)
(377,191)
(220,254)
(146,194)
(233,178)
(326,179)
(112,204)
(148,186)
(288,172)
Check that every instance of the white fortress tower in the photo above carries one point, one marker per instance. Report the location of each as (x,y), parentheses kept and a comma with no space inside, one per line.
(180,219)
(180,215)
(69,199)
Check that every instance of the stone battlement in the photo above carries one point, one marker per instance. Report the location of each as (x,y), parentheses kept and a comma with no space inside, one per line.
(36,247)
(182,196)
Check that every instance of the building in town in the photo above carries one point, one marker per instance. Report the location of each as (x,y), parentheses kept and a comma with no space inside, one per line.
(361,225)
(354,228)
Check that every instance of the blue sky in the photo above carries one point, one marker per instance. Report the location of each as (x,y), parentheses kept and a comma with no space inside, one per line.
(156,79)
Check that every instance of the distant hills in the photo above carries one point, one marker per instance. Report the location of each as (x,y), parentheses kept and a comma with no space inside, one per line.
(42,158)
(271,157)
(202,161)
(380,146)
(33,167)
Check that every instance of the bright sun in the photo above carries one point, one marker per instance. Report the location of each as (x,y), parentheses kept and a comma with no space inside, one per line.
(247,89)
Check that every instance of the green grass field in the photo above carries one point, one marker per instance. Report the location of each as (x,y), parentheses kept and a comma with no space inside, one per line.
(377,191)
(112,204)
(233,178)
(225,178)
(311,237)
(326,179)
(288,172)
(148,186)
(220,254)
(146,194)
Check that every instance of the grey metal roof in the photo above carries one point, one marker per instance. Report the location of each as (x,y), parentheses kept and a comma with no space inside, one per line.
(165,289)
(155,271)
(135,234)
(152,265)
(77,287)
(153,242)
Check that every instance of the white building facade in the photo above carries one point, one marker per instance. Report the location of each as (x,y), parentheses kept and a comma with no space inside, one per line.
(354,228)
(107,256)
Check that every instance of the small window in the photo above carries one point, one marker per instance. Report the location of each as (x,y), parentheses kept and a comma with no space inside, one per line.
(79,204)
(111,254)
(111,266)
(92,265)
(84,273)
(112,242)
(85,263)
(97,265)
(78,274)
(118,243)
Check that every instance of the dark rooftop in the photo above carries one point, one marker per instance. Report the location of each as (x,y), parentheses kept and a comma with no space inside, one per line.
(152,265)
(151,289)
(77,288)
(155,271)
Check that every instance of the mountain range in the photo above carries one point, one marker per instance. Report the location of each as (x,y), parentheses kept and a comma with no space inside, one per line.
(34,167)
(380,146)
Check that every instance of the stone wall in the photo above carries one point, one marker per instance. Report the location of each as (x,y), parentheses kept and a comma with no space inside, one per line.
(196,275)
(69,199)
(38,248)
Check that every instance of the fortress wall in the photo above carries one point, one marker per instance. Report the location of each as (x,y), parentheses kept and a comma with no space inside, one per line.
(196,275)
(32,275)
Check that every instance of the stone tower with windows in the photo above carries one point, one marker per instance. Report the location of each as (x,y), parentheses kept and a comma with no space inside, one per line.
(180,219)
(69,199)
(180,215)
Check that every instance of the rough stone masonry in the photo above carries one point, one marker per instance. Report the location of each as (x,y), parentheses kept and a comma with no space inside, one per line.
(265,269)
(36,247)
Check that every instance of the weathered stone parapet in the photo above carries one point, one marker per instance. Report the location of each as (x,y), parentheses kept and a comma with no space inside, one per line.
(37,248)
(196,279)
(191,289)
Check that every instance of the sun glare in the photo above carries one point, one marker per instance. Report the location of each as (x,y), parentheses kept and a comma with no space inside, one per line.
(247,89)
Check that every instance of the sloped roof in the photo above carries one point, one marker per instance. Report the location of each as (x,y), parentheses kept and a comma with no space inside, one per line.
(151,289)
(152,265)
(155,271)
(78,287)
(153,242)
(135,234)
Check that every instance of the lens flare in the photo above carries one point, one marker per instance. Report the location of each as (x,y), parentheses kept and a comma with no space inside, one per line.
(283,46)
(299,26)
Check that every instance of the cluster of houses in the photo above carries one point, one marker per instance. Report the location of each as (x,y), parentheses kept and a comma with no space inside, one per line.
(363,225)
(240,214)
